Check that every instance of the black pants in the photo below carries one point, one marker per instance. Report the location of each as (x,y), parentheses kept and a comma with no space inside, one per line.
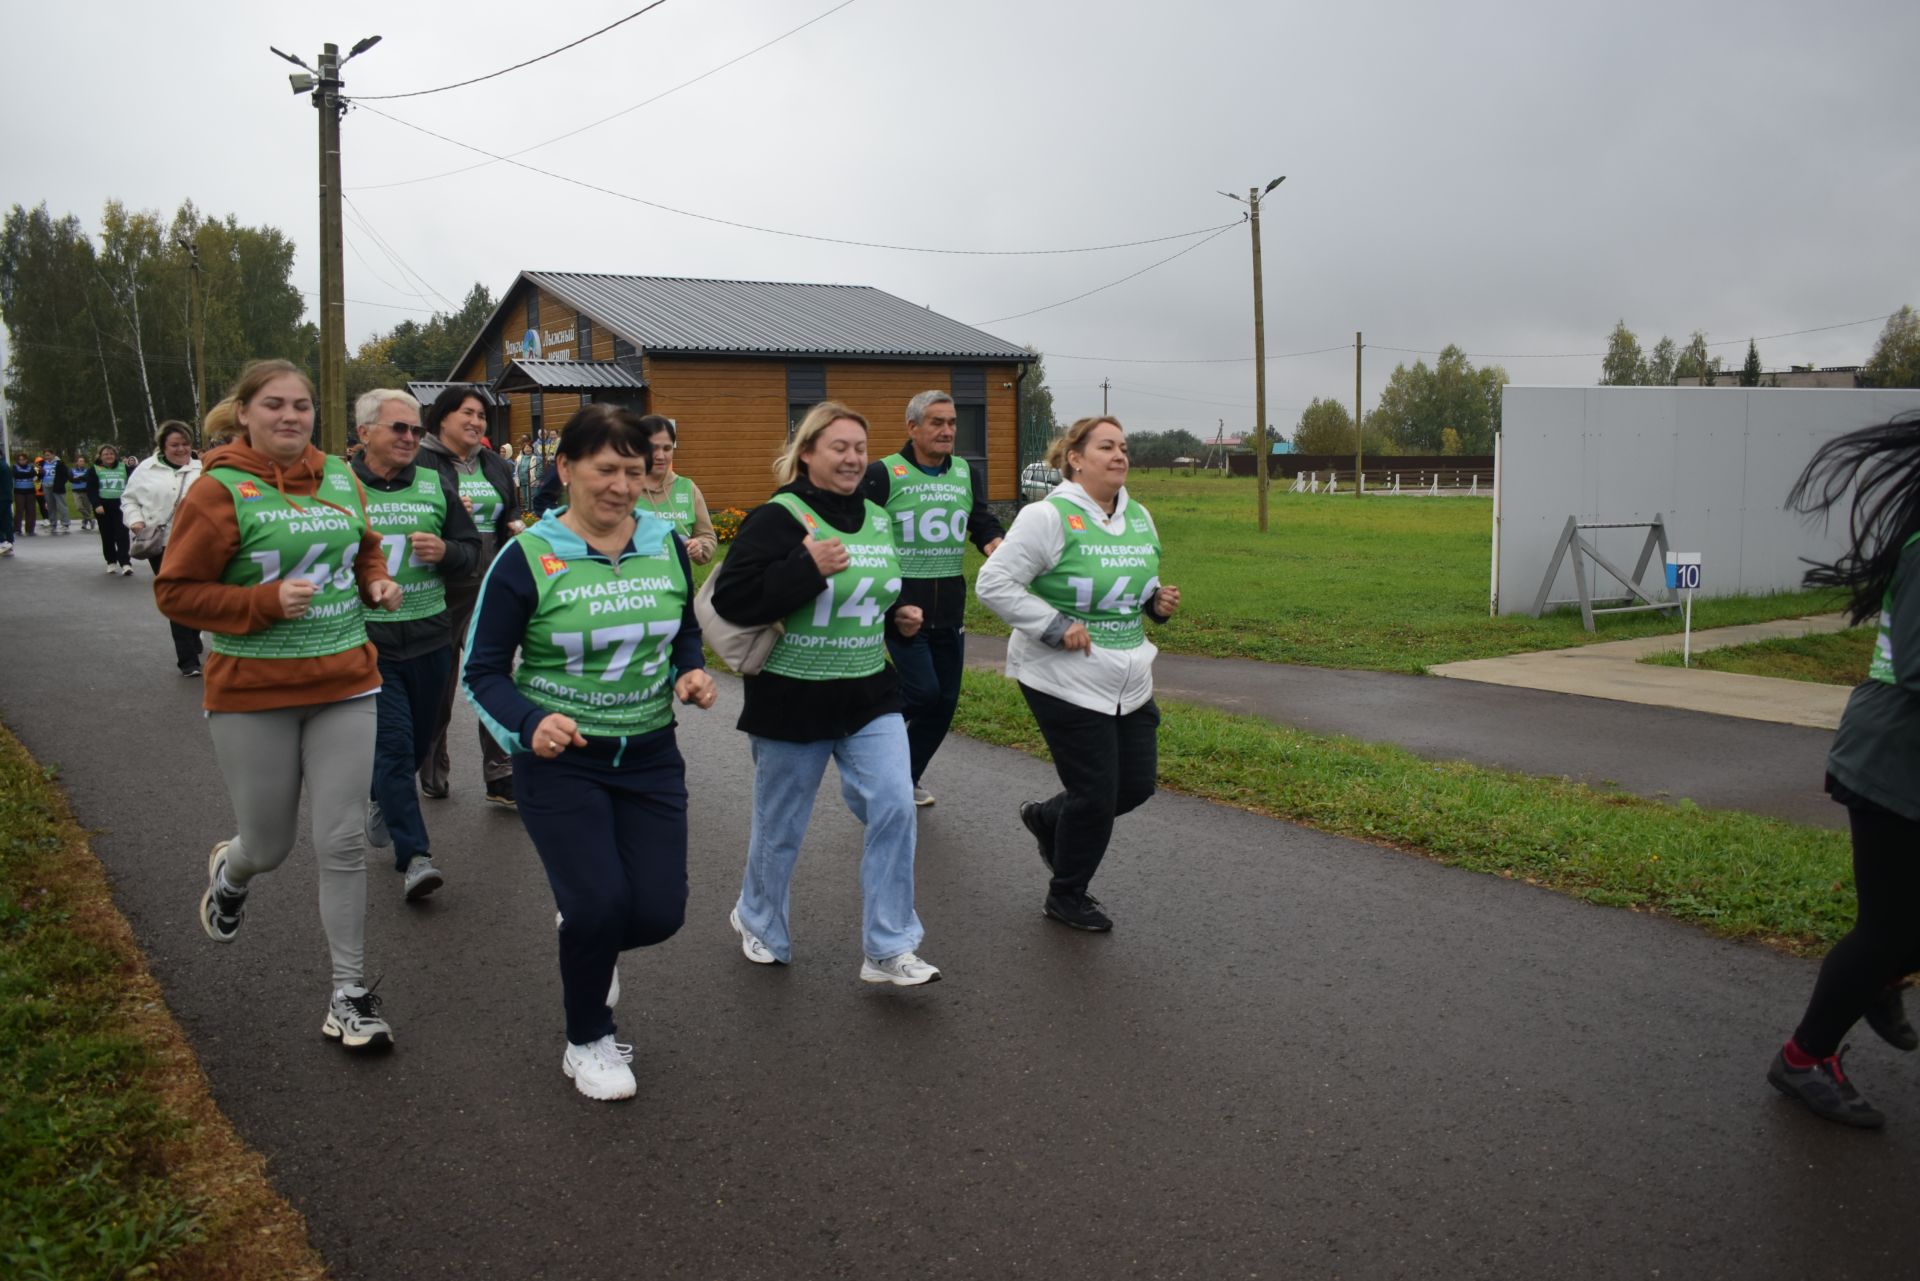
(930,665)
(435,764)
(114,539)
(613,839)
(1884,944)
(186,640)
(1106,763)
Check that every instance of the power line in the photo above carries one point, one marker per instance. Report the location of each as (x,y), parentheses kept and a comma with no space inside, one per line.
(461,84)
(482,164)
(777,231)
(1111,283)
(393,256)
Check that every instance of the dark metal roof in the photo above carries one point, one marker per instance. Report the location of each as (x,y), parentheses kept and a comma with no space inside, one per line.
(669,314)
(427,393)
(564,375)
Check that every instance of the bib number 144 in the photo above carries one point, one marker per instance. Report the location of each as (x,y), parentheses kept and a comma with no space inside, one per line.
(1117,600)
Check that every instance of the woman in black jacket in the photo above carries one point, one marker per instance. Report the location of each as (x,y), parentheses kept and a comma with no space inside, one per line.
(1873,768)
(456,426)
(820,558)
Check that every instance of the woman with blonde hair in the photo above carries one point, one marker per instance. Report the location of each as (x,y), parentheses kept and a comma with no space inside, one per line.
(273,553)
(222,424)
(1075,575)
(820,558)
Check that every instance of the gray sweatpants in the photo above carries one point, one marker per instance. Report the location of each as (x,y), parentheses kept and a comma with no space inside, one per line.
(264,757)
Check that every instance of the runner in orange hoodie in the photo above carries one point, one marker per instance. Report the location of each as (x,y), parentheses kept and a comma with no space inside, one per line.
(272,553)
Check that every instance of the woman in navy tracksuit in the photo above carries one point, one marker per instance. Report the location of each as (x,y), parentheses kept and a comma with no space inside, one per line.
(597,601)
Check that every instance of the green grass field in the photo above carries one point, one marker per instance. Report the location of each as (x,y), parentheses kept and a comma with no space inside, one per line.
(1828,658)
(1386,584)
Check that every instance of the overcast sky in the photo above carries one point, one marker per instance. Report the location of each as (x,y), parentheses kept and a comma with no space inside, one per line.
(1510,177)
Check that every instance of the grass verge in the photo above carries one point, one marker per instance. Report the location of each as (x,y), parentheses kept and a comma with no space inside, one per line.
(118,1163)
(1737,874)
(1384,584)
(1828,658)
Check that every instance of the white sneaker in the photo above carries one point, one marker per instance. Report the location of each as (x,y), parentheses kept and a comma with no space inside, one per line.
(112,570)
(613,988)
(904,970)
(921,796)
(753,948)
(126,569)
(600,1070)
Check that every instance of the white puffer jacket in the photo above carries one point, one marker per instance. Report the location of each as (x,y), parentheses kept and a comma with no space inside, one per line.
(154,490)
(1104,680)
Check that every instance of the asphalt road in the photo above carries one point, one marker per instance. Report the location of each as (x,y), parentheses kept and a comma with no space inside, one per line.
(1718,762)
(1297,1055)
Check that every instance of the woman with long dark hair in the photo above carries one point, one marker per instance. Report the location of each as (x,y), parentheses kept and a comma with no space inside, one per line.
(1874,766)
(110,477)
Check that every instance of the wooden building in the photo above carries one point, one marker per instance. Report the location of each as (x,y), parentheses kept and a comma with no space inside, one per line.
(736,363)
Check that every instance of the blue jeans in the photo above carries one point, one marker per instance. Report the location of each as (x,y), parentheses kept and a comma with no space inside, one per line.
(877,788)
(409,702)
(930,666)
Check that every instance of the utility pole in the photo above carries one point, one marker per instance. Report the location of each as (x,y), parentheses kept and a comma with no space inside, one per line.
(1104,384)
(197,318)
(324,85)
(1259,346)
(1359,445)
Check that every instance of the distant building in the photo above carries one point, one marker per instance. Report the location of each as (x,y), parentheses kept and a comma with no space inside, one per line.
(737,363)
(1798,376)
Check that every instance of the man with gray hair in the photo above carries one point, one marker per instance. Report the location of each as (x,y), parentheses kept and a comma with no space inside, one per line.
(428,537)
(936,502)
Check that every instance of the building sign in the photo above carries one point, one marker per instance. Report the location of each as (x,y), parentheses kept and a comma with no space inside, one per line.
(538,345)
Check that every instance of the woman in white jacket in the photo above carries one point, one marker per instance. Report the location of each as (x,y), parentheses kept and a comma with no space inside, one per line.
(153,491)
(1073,578)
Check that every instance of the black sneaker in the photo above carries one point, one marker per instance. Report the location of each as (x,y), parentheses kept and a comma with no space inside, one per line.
(1825,1089)
(221,905)
(433,791)
(500,792)
(1081,911)
(1030,815)
(190,671)
(1887,1016)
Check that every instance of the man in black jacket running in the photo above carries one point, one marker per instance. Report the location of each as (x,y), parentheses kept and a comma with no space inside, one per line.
(937,502)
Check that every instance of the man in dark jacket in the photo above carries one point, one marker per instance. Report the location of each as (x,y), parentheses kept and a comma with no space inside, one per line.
(937,502)
(430,540)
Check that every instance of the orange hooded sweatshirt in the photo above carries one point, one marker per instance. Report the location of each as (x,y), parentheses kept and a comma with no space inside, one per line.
(204,539)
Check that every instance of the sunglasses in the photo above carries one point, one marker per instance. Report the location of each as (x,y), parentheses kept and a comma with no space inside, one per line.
(406,429)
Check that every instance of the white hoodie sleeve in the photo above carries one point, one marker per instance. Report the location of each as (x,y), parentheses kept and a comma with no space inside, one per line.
(1031,548)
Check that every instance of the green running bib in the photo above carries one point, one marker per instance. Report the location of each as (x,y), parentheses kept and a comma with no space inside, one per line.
(929,516)
(113,481)
(421,508)
(316,541)
(1104,580)
(675,506)
(838,635)
(478,490)
(598,644)
(1881,668)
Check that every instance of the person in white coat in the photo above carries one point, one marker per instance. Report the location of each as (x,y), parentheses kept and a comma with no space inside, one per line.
(153,491)
(1077,573)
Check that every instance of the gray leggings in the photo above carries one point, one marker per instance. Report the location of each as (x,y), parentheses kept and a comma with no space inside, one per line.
(264,757)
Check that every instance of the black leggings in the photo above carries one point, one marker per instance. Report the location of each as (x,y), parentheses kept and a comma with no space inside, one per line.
(1884,944)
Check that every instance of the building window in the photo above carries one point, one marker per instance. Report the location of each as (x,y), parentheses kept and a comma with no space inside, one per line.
(969,391)
(533,310)
(536,410)
(806,387)
(583,336)
(493,358)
